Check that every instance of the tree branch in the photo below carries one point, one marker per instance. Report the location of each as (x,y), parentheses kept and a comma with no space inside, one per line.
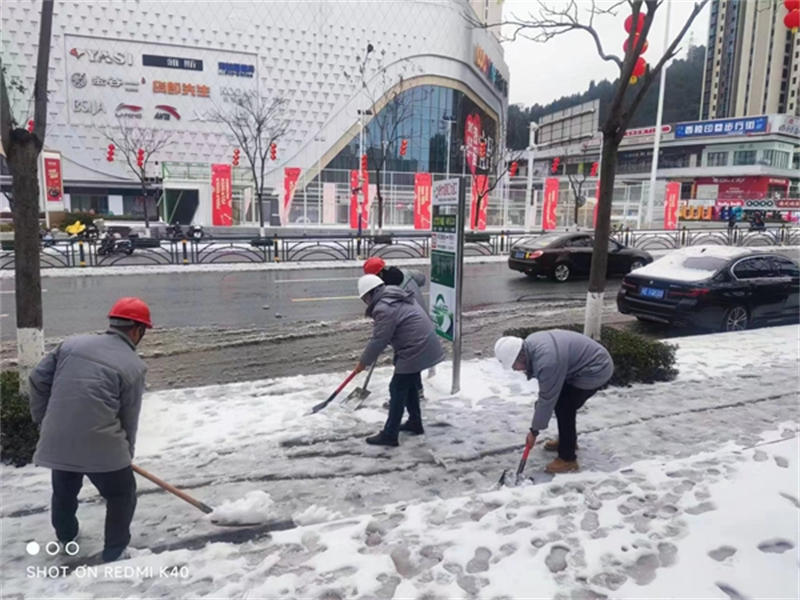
(6,120)
(42,72)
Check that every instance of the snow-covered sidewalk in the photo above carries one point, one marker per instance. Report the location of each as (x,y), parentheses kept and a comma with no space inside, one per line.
(689,489)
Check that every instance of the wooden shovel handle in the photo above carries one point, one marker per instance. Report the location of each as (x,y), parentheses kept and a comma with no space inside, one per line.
(173,490)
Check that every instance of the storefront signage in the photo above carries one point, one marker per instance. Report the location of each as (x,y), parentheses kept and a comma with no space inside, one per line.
(175,88)
(486,66)
(718,127)
(221,195)
(128,111)
(90,107)
(103,56)
(785,124)
(165,112)
(172,62)
(236,70)
(642,131)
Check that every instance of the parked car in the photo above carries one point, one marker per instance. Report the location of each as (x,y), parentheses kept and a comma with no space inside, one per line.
(714,287)
(563,256)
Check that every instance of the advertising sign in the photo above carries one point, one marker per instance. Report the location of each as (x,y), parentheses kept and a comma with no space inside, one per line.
(329,203)
(550,205)
(671,201)
(290,177)
(221,195)
(53,182)
(472,140)
(444,246)
(718,127)
(480,185)
(422,200)
(356,199)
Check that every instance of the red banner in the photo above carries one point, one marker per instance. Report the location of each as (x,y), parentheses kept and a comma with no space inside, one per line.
(671,200)
(549,216)
(355,199)
(290,177)
(423,183)
(596,203)
(221,196)
(472,140)
(480,185)
(53,183)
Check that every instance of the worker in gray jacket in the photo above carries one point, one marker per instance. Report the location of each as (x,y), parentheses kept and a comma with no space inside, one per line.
(86,396)
(400,321)
(570,368)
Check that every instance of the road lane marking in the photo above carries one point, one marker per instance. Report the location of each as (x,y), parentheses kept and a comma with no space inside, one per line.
(324,299)
(13,291)
(3,316)
(315,280)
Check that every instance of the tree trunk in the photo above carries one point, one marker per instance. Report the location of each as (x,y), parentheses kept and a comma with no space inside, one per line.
(593,318)
(146,218)
(23,163)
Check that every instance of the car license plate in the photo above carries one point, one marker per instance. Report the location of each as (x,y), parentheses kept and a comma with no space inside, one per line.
(651,292)
(519,254)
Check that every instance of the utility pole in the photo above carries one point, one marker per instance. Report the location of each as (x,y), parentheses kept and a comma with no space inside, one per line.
(533,126)
(449,119)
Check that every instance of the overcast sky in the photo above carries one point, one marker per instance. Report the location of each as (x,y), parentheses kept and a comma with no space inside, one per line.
(566,64)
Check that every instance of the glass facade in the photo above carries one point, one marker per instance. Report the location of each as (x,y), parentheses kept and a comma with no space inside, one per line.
(420,115)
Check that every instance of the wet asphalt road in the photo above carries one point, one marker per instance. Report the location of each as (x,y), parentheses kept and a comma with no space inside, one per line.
(265,299)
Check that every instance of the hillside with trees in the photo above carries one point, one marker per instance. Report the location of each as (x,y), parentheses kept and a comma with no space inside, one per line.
(681,101)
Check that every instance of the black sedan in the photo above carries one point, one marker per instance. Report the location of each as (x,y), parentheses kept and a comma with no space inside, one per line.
(566,255)
(715,288)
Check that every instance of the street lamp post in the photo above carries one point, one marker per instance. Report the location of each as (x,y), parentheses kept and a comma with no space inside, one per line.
(449,119)
(533,126)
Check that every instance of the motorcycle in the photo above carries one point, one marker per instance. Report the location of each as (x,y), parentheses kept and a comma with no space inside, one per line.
(113,243)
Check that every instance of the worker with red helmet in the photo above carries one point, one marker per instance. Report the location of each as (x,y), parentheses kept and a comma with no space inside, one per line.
(411,281)
(86,396)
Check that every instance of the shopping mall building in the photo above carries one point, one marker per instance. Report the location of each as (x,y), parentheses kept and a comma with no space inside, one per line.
(175,66)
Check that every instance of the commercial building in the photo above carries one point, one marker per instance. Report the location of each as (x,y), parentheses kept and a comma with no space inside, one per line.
(173,67)
(752,61)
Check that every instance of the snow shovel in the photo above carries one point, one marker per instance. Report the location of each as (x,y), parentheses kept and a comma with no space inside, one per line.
(360,393)
(321,405)
(184,496)
(520,468)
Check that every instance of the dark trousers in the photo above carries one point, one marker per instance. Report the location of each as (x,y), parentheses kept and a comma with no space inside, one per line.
(403,394)
(569,401)
(118,488)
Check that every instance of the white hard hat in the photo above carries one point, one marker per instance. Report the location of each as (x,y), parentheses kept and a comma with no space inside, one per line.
(507,349)
(367,283)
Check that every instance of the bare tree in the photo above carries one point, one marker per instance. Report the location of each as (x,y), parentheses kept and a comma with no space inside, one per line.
(256,122)
(576,183)
(22,148)
(500,167)
(133,142)
(549,22)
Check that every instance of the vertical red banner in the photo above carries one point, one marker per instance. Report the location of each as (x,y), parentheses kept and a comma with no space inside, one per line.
(671,201)
(365,206)
(290,177)
(354,197)
(550,205)
(480,186)
(221,196)
(53,181)
(423,184)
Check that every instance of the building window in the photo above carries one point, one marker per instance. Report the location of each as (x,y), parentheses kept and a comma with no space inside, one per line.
(89,202)
(717,159)
(776,158)
(744,157)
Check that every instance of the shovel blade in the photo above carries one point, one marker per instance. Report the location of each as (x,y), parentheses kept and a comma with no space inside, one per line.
(359,394)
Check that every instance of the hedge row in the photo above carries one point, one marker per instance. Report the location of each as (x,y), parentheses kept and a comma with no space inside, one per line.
(18,434)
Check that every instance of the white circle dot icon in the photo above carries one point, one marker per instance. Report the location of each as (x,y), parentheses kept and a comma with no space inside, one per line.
(52,548)
(72,548)
(32,548)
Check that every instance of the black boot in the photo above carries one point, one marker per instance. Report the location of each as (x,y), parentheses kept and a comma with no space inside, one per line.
(381,439)
(412,428)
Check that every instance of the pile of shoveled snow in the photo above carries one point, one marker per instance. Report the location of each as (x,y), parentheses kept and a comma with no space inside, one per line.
(315,514)
(255,507)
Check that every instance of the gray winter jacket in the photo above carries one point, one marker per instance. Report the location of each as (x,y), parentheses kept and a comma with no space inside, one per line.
(86,394)
(401,322)
(556,357)
(414,281)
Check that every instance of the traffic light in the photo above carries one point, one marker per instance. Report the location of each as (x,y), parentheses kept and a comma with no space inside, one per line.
(595,166)
(363,162)
(403,147)
(273,151)
(140,158)
(513,169)
(30,126)
(236,157)
(110,155)
(482,149)
(555,165)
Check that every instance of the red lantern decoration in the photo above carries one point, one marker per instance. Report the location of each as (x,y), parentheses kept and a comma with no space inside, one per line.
(792,20)
(513,169)
(791,4)
(625,45)
(639,23)
(639,69)
(595,167)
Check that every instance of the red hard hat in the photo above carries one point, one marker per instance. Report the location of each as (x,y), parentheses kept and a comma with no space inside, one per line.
(374,265)
(132,309)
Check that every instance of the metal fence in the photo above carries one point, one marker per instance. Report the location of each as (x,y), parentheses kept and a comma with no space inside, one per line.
(348,246)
